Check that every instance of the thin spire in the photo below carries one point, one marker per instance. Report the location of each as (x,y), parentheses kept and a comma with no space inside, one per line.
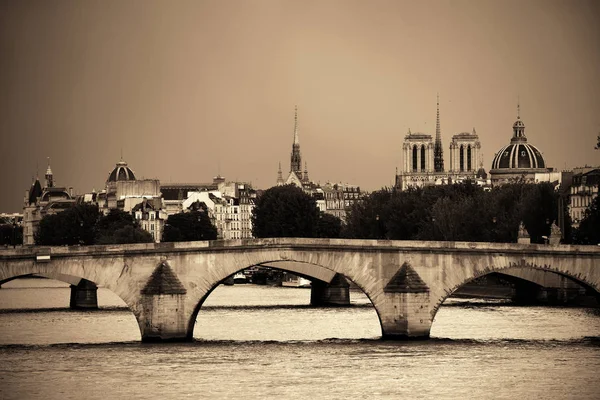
(438,151)
(296,141)
(121,153)
(518,107)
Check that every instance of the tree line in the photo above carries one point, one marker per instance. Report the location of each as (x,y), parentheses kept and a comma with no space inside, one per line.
(458,212)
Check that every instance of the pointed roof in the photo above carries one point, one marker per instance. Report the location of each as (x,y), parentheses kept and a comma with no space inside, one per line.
(406,280)
(35,191)
(296,140)
(163,281)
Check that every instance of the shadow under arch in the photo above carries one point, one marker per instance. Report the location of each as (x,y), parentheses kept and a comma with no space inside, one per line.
(72,278)
(318,271)
(589,287)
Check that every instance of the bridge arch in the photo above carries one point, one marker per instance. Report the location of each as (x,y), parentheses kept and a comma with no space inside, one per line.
(301,268)
(516,269)
(66,274)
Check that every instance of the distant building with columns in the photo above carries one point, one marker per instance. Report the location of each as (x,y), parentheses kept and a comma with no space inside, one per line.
(423,157)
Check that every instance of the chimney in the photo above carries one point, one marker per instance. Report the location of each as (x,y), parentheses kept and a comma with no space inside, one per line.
(71,191)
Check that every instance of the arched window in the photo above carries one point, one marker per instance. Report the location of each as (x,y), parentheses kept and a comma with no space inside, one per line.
(422,157)
(469,166)
(414,158)
(462,158)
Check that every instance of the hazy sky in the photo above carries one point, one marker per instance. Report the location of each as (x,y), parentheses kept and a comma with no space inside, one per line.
(187,87)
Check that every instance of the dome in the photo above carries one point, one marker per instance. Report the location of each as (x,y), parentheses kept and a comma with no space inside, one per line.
(121,173)
(518,155)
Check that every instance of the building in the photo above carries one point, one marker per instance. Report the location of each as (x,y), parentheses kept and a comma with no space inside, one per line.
(583,190)
(124,191)
(519,160)
(140,197)
(423,159)
(230,213)
(41,201)
(174,194)
(151,218)
(339,198)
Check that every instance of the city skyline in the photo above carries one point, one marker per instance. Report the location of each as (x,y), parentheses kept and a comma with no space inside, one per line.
(203,88)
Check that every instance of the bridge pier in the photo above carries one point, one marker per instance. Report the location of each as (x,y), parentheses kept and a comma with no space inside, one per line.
(84,295)
(335,293)
(163,317)
(405,316)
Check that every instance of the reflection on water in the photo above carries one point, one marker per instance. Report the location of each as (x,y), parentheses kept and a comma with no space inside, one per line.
(257,342)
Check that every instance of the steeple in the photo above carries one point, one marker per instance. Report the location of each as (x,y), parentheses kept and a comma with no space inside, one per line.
(438,150)
(279,176)
(305,176)
(49,177)
(296,141)
(296,158)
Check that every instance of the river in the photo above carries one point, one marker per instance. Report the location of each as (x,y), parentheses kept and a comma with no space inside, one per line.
(266,342)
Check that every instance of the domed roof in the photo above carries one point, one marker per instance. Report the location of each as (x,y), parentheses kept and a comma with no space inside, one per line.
(121,173)
(518,155)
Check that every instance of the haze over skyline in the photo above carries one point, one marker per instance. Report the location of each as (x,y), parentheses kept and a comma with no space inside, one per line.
(194,88)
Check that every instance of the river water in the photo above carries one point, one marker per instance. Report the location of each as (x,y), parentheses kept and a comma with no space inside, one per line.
(266,342)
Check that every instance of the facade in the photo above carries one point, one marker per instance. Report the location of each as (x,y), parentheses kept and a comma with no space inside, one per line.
(339,198)
(150,218)
(41,201)
(519,160)
(231,215)
(584,189)
(423,163)
(464,153)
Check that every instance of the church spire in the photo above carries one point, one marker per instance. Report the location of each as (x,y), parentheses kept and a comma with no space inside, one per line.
(296,158)
(438,150)
(296,141)
(305,176)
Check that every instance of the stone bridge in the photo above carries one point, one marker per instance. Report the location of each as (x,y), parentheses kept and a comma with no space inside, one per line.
(166,284)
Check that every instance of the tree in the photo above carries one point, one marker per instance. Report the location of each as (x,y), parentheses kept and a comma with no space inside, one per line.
(285,211)
(189,226)
(119,227)
(328,226)
(75,225)
(598,145)
(11,235)
(588,231)
(367,219)
(128,234)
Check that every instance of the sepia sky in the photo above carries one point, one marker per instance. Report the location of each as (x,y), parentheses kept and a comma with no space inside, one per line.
(188,89)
